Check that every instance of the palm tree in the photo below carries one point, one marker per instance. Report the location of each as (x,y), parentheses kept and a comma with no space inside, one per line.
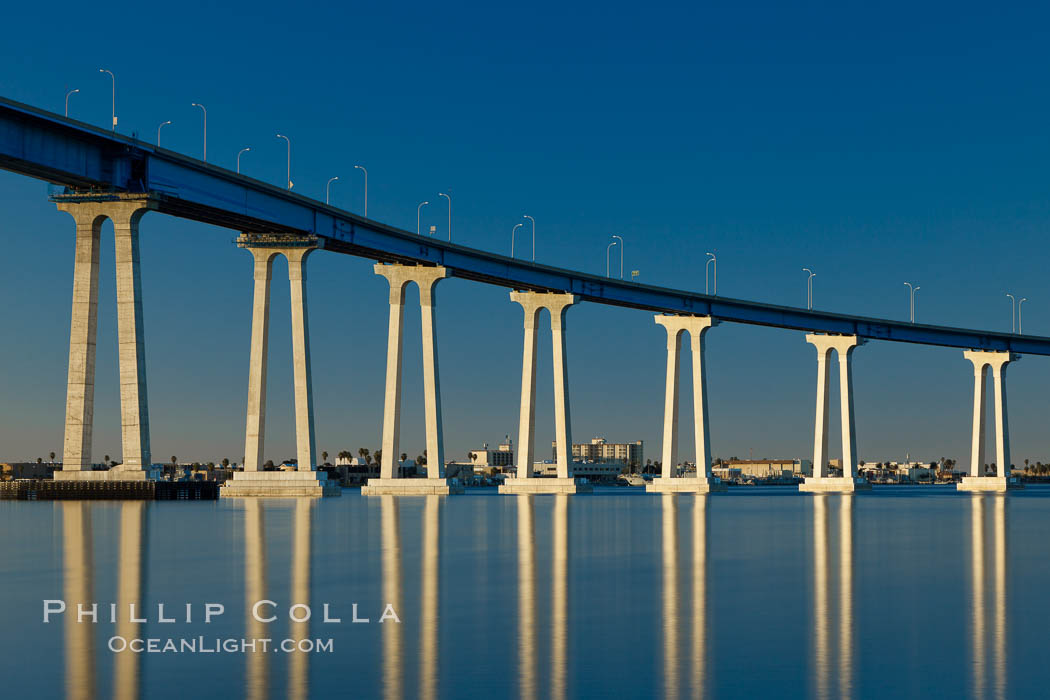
(404,457)
(324,457)
(225,462)
(106,459)
(53,458)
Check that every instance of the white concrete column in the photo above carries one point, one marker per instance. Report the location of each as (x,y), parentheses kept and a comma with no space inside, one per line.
(527,409)
(844,346)
(131,339)
(427,279)
(1002,426)
(983,360)
(820,436)
(980,372)
(304,404)
(562,414)
(392,396)
(674,347)
(255,430)
(83,332)
(849,428)
(698,327)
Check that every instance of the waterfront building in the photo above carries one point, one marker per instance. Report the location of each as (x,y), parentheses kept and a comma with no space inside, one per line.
(771,468)
(630,455)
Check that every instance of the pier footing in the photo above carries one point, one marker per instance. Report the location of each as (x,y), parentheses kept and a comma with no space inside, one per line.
(834,484)
(410,487)
(999,484)
(117,473)
(280,484)
(544,485)
(685,485)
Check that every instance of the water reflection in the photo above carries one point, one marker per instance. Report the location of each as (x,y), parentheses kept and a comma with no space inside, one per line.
(673,646)
(78,588)
(256,663)
(826,578)
(392,641)
(430,582)
(298,660)
(526,599)
(984,578)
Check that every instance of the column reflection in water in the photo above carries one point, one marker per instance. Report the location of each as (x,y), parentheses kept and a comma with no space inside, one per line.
(298,661)
(256,663)
(560,597)
(391,631)
(130,585)
(430,584)
(980,575)
(526,599)
(670,593)
(77,572)
(699,660)
(825,578)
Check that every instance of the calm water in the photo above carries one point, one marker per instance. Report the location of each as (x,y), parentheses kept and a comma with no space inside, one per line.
(756,593)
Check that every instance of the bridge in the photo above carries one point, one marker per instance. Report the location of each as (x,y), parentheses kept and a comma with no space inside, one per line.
(106,175)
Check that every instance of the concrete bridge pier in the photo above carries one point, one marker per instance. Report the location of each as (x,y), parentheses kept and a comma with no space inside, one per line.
(525,482)
(89,212)
(254,480)
(976,480)
(426,278)
(843,345)
(669,481)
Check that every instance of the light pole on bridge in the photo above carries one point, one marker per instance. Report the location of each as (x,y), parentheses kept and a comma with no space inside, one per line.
(418,210)
(113,97)
(712,259)
(362,169)
(67,99)
(809,287)
(289,141)
(328,189)
(911,294)
(442,194)
(526,216)
(1013,313)
(608,249)
(195,104)
(512,232)
(163,124)
(1023,300)
(622,248)
(243,150)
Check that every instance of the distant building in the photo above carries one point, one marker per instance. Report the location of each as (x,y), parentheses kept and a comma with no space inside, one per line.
(629,455)
(487,458)
(592,471)
(771,468)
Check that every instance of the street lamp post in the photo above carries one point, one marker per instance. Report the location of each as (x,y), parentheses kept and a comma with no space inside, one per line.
(328,189)
(418,210)
(512,232)
(1013,313)
(809,287)
(608,248)
(243,150)
(526,216)
(442,194)
(194,104)
(1022,300)
(113,96)
(362,169)
(911,294)
(622,247)
(711,260)
(289,141)
(164,124)
(67,99)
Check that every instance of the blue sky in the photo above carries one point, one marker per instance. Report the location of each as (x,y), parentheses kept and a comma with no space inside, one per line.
(873,144)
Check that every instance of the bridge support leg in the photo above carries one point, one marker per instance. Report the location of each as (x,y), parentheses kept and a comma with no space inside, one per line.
(557,305)
(390,482)
(976,480)
(669,481)
(255,479)
(125,212)
(844,346)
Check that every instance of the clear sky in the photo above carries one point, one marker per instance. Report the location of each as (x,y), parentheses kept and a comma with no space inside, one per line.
(876,144)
